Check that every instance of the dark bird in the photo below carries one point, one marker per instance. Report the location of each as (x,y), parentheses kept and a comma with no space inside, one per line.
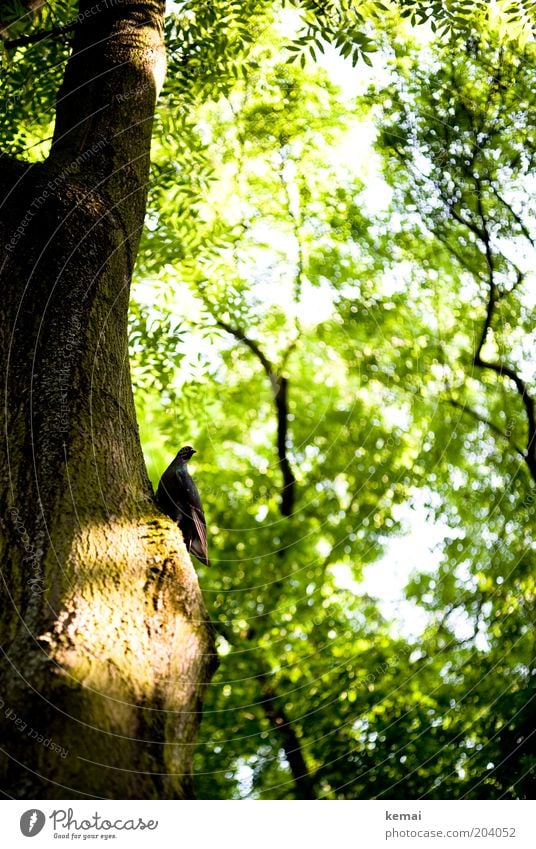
(178,498)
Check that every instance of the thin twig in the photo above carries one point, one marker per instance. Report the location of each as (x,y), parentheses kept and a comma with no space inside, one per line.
(279,385)
(483,420)
(36,37)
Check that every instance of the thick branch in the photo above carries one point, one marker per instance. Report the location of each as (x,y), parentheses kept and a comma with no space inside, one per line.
(251,344)
(289,481)
(481,232)
(492,291)
(500,368)
(280,722)
(528,402)
(279,386)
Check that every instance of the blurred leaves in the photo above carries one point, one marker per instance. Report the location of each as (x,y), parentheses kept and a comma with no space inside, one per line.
(372,317)
(364,283)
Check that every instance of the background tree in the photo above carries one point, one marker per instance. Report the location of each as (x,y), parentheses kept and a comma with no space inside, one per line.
(463,169)
(371,321)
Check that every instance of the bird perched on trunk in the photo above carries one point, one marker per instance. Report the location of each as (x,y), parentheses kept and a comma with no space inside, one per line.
(178,498)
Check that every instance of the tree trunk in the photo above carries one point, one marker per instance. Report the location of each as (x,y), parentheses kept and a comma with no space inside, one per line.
(106,646)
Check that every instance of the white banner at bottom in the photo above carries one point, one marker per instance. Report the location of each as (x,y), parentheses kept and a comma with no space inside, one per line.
(270,824)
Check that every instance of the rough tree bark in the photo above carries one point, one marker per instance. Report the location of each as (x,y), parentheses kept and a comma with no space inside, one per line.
(105,642)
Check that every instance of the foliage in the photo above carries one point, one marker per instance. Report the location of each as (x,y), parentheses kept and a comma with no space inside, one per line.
(210,45)
(372,319)
(267,265)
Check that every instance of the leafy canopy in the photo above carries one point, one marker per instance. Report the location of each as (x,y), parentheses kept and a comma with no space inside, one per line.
(379,296)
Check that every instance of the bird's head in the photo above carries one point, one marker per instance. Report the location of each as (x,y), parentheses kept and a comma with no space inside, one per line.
(186,453)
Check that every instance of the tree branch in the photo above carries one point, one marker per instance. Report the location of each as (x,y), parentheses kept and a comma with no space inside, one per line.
(9,14)
(289,481)
(279,386)
(36,37)
(492,286)
(483,420)
(295,220)
(528,402)
(500,368)
(249,343)
(517,218)
(280,722)
(481,232)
